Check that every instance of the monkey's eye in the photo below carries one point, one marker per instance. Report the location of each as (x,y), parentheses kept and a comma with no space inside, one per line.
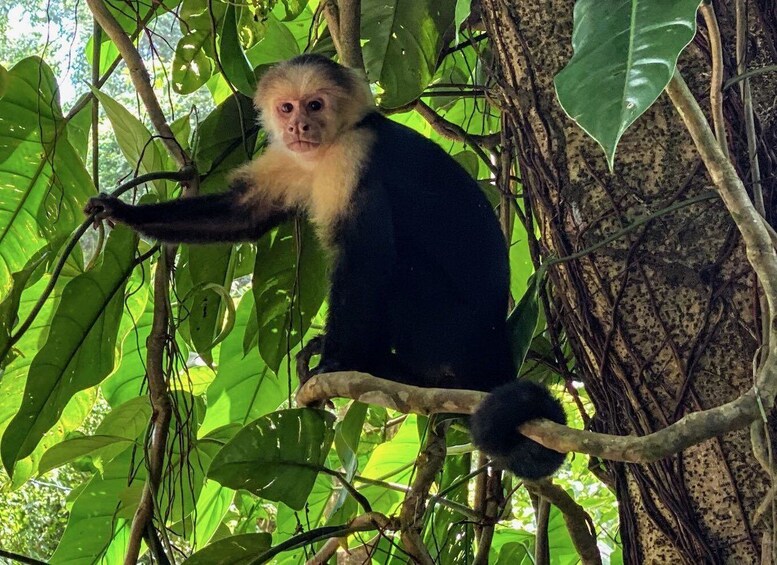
(315,105)
(287,107)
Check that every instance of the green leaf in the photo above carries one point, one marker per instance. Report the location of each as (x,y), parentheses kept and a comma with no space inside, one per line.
(234,550)
(95,527)
(403,41)
(521,265)
(73,416)
(208,310)
(348,434)
(191,65)
(79,131)
(127,420)
(138,146)
(15,370)
(128,382)
(3,80)
(277,457)
(245,387)
(9,308)
(79,351)
(227,137)
(392,461)
(288,290)
(278,44)
(461,13)
(212,505)
(43,182)
(522,321)
(71,449)
(625,54)
(234,63)
(129,14)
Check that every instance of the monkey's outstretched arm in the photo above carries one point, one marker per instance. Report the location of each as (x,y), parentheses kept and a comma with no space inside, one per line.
(202,219)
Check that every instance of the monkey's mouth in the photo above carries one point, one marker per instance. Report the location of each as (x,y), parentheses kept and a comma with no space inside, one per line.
(302,146)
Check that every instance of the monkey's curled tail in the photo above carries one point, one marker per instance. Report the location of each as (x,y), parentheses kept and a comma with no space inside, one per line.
(494,423)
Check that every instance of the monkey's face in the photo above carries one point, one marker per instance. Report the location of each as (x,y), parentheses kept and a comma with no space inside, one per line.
(307,123)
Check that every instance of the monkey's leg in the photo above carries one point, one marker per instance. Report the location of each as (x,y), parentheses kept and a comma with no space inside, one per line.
(202,219)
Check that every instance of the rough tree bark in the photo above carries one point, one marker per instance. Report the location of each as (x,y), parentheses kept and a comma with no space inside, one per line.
(663,321)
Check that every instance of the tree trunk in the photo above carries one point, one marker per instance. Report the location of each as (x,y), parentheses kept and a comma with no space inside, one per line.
(664,320)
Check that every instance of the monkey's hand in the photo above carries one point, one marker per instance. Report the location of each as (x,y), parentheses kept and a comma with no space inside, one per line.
(104,207)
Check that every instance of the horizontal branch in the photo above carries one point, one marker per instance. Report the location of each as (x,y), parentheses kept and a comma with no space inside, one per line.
(689,430)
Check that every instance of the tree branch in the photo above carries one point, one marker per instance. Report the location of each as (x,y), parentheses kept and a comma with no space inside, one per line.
(760,251)
(452,131)
(578,522)
(140,78)
(142,524)
(716,77)
(411,518)
(689,430)
(350,34)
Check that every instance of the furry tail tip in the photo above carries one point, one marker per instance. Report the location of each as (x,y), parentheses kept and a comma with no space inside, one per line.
(493,427)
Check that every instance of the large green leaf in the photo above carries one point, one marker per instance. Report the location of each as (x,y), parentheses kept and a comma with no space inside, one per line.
(234,63)
(403,41)
(191,65)
(277,457)
(76,411)
(9,308)
(137,144)
(245,388)
(206,310)
(625,54)
(212,505)
(71,449)
(43,182)
(278,44)
(97,527)
(128,381)
(227,137)
(15,372)
(392,461)
(80,348)
(235,550)
(128,420)
(288,290)
(522,321)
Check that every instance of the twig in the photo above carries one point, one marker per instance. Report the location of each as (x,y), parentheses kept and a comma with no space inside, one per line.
(96,44)
(367,522)
(438,498)
(760,251)
(140,78)
(332,17)
(541,544)
(749,74)
(411,518)
(716,77)
(21,558)
(579,523)
(492,490)
(641,220)
(454,132)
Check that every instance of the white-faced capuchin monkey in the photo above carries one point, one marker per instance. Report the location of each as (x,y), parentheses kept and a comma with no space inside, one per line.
(419,285)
